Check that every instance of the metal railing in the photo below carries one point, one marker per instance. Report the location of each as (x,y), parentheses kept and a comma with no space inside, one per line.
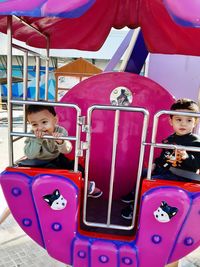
(26,51)
(153,143)
(75,138)
(117,110)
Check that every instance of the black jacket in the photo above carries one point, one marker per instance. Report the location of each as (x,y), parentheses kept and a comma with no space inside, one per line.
(192,163)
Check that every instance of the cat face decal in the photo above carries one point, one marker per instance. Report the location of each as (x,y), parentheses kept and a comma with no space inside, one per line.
(164,213)
(55,200)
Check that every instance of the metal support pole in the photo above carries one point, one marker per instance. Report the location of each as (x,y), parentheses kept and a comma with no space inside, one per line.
(37,79)
(112,175)
(9,87)
(47,71)
(25,86)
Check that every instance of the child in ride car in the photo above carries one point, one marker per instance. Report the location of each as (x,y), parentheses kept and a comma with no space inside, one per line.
(174,165)
(49,153)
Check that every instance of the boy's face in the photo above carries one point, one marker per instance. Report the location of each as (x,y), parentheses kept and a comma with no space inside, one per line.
(42,121)
(182,124)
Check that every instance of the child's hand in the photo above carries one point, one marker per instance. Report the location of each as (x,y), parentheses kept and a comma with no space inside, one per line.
(39,133)
(56,134)
(182,154)
(176,158)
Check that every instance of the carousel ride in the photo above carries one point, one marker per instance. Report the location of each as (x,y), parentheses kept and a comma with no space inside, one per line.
(115,120)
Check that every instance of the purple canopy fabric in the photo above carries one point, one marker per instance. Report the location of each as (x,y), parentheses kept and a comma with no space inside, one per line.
(184,12)
(40,8)
(85,24)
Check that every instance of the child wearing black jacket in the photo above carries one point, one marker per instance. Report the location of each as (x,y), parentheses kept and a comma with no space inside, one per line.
(174,165)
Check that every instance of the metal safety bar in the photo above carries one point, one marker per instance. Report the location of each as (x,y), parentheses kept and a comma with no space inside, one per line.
(117,110)
(153,143)
(75,138)
(71,138)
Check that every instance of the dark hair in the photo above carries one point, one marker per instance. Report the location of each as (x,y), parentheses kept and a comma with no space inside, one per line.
(185,103)
(36,108)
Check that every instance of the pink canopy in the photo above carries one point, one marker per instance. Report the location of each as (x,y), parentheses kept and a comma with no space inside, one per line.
(85,24)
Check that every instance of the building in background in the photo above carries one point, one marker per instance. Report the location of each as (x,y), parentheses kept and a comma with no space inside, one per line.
(58,58)
(71,74)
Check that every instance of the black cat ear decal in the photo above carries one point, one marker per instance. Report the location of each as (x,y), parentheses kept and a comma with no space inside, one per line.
(55,200)
(164,213)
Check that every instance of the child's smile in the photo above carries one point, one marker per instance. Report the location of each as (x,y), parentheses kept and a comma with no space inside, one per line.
(43,122)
